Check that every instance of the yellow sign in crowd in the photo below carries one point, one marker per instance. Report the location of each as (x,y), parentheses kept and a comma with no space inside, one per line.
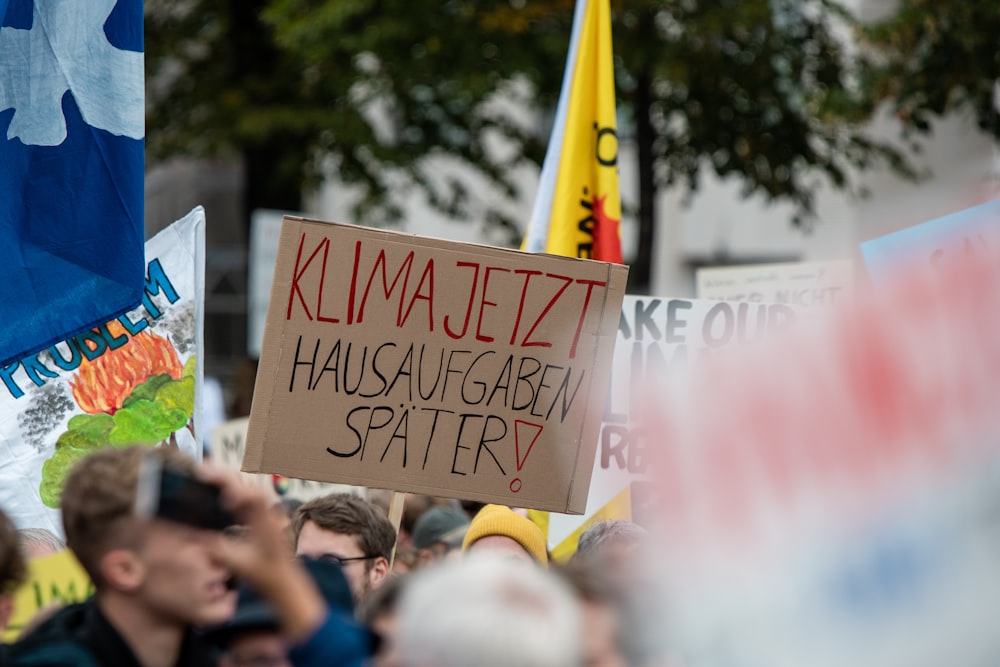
(52,580)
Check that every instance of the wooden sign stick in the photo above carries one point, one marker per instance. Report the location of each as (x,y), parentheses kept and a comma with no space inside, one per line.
(396,518)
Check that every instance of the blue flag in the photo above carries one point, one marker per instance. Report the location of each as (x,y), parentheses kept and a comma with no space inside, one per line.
(71,168)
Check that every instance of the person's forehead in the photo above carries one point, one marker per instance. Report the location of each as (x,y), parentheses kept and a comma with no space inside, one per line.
(164,530)
(499,543)
(316,541)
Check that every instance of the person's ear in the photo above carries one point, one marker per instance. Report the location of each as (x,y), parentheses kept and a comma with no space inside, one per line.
(122,570)
(379,571)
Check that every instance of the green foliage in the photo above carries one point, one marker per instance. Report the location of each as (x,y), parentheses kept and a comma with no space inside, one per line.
(936,57)
(83,434)
(145,423)
(761,90)
(151,413)
(178,395)
(147,390)
(54,472)
(397,83)
(216,85)
(86,431)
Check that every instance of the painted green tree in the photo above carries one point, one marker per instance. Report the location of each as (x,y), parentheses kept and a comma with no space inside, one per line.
(759,90)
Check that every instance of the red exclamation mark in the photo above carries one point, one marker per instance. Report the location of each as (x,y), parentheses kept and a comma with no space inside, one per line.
(522,431)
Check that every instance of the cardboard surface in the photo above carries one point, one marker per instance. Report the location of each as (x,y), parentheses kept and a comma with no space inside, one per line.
(416,364)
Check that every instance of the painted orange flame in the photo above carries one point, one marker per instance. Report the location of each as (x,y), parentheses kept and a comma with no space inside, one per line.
(102,385)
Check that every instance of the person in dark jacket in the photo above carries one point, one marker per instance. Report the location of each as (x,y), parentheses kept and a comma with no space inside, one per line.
(155,580)
(253,635)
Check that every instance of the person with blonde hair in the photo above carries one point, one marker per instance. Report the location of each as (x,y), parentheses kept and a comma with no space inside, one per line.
(156,579)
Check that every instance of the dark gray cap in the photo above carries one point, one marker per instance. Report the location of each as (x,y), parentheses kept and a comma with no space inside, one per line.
(440,524)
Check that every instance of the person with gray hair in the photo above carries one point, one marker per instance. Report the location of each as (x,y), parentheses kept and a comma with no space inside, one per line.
(614,571)
(609,535)
(38,542)
(618,630)
(490,612)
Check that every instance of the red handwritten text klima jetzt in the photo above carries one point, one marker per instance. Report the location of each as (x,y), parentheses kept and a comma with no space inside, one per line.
(411,291)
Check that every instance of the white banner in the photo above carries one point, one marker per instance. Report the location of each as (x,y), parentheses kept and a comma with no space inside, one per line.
(657,337)
(265,230)
(831,498)
(227,445)
(134,380)
(800,284)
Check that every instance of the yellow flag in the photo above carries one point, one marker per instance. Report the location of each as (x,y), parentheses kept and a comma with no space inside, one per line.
(577,211)
(578,207)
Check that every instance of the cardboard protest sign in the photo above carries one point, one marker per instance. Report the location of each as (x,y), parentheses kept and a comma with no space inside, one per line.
(228,444)
(55,579)
(657,337)
(451,369)
(131,381)
(949,240)
(799,284)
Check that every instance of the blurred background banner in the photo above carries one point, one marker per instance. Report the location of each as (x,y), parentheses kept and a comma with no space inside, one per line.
(657,337)
(56,579)
(132,380)
(265,231)
(799,284)
(71,146)
(228,441)
(955,238)
(830,497)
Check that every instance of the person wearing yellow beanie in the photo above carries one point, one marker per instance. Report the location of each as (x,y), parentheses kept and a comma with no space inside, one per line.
(499,528)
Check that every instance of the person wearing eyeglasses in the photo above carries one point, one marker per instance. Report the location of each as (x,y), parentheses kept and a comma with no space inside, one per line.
(350,531)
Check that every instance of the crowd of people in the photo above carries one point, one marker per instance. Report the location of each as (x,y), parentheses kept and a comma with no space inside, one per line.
(328,582)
